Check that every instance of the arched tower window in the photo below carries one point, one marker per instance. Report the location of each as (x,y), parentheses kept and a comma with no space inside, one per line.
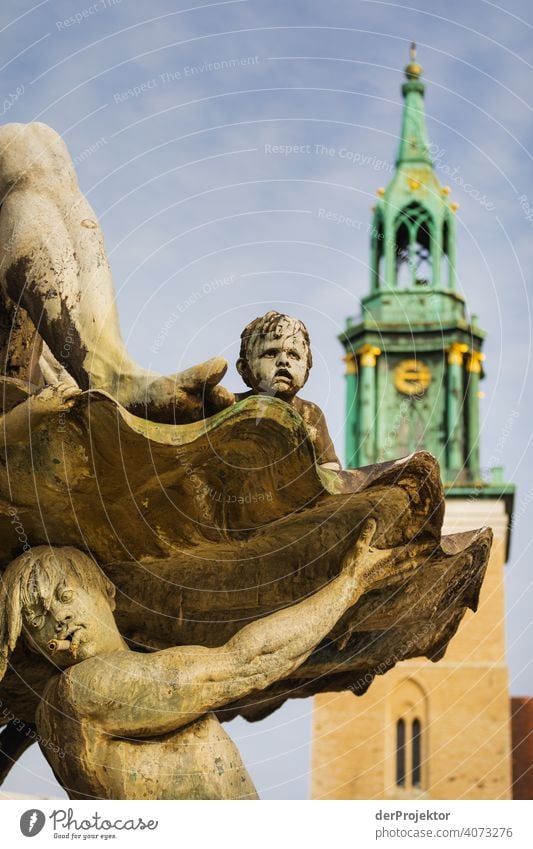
(377,251)
(407,711)
(416,753)
(415,744)
(404,261)
(413,235)
(400,753)
(445,256)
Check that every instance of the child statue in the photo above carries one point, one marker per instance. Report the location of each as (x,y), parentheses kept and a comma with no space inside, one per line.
(275,359)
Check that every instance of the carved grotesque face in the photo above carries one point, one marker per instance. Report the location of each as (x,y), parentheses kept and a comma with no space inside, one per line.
(277,365)
(69,612)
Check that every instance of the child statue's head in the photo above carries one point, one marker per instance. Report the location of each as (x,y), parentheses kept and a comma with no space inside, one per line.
(275,355)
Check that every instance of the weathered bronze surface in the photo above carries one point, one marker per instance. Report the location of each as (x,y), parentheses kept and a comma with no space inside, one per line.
(248,569)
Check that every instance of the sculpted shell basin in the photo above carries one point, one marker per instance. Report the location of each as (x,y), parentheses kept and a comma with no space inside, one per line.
(207,526)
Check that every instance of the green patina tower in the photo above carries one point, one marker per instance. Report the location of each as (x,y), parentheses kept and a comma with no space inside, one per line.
(414,359)
(414,362)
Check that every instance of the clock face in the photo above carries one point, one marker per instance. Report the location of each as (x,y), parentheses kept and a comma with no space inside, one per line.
(412,377)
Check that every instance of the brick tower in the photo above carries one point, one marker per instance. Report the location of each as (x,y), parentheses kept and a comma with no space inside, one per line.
(414,362)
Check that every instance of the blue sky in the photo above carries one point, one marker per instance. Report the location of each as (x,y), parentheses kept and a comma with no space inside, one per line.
(172,112)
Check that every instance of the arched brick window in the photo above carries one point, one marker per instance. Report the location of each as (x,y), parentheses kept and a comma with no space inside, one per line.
(407,721)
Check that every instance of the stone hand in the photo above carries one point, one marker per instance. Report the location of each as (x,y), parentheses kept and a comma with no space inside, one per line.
(56,399)
(369,566)
(360,561)
(199,386)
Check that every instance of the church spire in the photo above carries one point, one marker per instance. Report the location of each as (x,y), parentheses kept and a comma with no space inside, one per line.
(414,144)
(414,358)
(413,233)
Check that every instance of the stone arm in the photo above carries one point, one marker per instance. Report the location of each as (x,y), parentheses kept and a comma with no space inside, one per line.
(315,419)
(53,264)
(129,694)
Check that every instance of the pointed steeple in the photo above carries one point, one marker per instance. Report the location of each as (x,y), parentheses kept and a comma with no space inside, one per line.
(414,358)
(413,233)
(414,143)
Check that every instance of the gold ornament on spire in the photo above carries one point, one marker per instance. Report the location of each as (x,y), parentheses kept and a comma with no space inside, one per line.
(413,70)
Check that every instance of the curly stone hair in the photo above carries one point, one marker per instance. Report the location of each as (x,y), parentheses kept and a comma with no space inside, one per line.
(31,579)
(275,323)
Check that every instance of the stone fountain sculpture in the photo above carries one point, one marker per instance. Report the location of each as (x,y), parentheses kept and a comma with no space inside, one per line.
(174,555)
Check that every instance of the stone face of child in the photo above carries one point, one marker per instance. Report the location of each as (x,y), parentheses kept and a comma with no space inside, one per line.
(275,357)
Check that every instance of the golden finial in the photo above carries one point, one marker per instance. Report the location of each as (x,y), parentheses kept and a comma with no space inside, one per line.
(413,69)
